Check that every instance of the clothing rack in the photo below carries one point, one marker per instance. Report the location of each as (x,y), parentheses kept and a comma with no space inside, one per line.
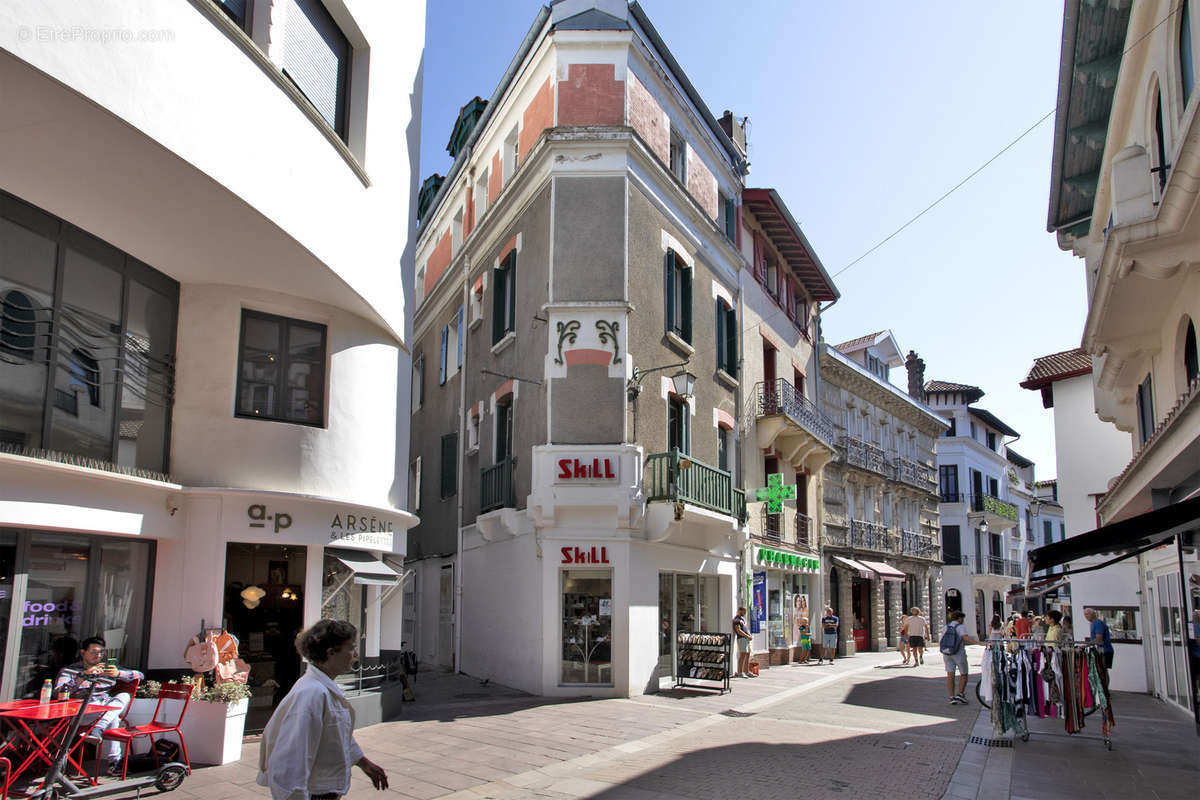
(1020,710)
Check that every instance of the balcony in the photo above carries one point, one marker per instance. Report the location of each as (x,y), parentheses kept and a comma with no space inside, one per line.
(790,423)
(869,536)
(496,486)
(995,565)
(918,545)
(914,474)
(865,456)
(676,478)
(787,529)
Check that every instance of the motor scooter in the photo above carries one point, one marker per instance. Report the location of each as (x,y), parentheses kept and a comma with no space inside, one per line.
(57,786)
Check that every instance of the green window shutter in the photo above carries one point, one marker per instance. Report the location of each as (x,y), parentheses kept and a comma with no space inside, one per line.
(685,278)
(510,324)
(731,342)
(499,291)
(449,476)
(442,359)
(721,355)
(669,288)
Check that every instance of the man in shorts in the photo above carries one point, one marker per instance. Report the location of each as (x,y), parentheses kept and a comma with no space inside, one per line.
(829,633)
(743,643)
(918,629)
(958,661)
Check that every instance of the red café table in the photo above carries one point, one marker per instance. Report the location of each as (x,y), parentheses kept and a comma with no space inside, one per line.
(38,726)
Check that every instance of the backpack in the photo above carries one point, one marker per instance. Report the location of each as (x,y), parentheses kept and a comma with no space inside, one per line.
(951,642)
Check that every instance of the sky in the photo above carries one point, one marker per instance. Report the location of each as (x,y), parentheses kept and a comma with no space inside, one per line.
(860,121)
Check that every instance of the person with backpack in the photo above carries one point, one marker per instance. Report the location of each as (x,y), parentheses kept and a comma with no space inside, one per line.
(954,653)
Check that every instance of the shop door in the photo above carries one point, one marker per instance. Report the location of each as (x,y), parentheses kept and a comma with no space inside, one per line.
(666,624)
(1174,642)
(264,609)
(446,617)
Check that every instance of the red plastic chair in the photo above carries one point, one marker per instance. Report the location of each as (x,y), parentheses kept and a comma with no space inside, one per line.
(156,727)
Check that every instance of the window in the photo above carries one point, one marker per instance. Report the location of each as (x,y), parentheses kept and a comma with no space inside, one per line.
(991,440)
(1187,70)
(678,425)
(771,277)
(727,338)
(458,338)
(504,297)
(760,264)
(442,357)
(678,156)
(456,233)
(511,155)
(1191,365)
(504,429)
(727,216)
(1062,531)
(84,375)
(281,373)
(799,309)
(678,295)
(953,429)
(587,615)
(481,196)
(1122,622)
(723,436)
(1145,409)
(477,300)
(1047,531)
(316,57)
(798,381)
(974,435)
(473,429)
(17,321)
(449,483)
(418,382)
(414,480)
(1160,146)
(993,487)
(236,10)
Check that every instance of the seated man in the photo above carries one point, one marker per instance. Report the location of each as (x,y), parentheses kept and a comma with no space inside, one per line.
(91,662)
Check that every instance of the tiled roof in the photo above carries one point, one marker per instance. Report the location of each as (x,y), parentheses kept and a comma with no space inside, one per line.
(988,418)
(935,387)
(859,342)
(1056,367)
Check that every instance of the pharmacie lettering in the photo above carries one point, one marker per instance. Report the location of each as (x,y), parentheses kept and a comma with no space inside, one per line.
(579,555)
(574,468)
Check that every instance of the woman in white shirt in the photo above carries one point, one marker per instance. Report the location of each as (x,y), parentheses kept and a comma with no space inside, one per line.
(308,747)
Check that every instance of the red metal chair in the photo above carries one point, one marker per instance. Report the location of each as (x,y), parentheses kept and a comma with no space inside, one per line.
(156,727)
(7,765)
(120,687)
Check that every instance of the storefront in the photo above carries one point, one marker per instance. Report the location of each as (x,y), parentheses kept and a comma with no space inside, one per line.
(586,591)
(784,588)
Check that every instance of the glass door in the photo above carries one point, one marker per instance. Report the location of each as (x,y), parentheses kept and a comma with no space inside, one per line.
(666,624)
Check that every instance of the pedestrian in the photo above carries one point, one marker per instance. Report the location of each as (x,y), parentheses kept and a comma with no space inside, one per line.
(953,645)
(1054,631)
(1100,635)
(1023,625)
(1068,629)
(829,635)
(804,640)
(902,641)
(308,746)
(997,631)
(1039,628)
(918,629)
(742,634)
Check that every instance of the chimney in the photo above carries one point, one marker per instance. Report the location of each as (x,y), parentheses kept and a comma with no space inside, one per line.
(916,376)
(735,131)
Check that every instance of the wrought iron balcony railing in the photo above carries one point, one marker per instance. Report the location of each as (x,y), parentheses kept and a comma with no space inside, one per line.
(918,545)
(864,455)
(996,565)
(914,473)
(780,397)
(789,528)
(678,478)
(496,486)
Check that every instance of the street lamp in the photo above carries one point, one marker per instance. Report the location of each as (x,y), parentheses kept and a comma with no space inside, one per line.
(685,384)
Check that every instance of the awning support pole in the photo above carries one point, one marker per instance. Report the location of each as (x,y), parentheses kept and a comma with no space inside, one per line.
(1183,598)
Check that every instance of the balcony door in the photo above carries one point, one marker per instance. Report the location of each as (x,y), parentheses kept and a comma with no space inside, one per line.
(977,489)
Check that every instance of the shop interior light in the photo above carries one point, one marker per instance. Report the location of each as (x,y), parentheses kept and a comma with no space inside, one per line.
(252,595)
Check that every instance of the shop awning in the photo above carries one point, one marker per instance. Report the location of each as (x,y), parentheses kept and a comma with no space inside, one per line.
(862,570)
(886,572)
(1121,540)
(368,570)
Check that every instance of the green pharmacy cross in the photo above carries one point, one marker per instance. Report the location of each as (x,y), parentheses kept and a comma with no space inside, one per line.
(775,493)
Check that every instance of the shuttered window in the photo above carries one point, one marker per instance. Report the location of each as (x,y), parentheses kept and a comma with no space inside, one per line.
(316,56)
(449,465)
(442,359)
(727,338)
(677,279)
(504,298)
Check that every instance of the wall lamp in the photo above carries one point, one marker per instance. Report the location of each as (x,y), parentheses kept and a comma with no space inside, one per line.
(685,382)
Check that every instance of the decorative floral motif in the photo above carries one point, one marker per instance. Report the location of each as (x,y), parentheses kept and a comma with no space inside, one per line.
(566,333)
(608,330)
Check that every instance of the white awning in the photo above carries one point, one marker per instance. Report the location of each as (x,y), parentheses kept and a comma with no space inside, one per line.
(863,571)
(886,572)
(368,570)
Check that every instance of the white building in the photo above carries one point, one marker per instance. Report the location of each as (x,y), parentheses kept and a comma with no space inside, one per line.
(1088,452)
(203,383)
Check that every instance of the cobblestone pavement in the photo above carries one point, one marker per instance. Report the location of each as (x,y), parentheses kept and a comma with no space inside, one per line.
(862,728)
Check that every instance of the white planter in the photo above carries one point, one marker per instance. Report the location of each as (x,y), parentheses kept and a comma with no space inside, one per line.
(213,731)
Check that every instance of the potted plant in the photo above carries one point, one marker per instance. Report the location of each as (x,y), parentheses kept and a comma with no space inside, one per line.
(213,725)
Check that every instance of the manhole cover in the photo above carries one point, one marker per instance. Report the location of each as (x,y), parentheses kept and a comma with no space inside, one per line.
(991,742)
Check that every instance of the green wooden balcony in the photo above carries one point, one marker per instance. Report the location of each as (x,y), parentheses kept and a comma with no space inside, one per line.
(678,478)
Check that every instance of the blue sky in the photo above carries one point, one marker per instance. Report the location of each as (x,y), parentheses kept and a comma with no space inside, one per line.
(861,120)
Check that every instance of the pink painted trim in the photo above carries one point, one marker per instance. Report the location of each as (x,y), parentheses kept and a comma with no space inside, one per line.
(511,244)
(724,419)
(505,389)
(587,356)
(477,287)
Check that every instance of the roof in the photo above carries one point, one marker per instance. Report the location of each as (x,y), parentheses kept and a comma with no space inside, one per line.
(1093,38)
(1018,459)
(988,418)
(1057,367)
(768,208)
(854,344)
(973,393)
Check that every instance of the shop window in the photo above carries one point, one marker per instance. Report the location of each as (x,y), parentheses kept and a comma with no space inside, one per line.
(678,425)
(281,369)
(449,482)
(1123,622)
(587,626)
(504,298)
(678,296)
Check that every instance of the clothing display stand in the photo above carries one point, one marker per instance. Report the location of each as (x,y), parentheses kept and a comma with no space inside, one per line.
(703,657)
(1021,719)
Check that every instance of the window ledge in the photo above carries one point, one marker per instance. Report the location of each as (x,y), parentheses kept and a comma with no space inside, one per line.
(727,379)
(676,341)
(470,451)
(475,323)
(504,343)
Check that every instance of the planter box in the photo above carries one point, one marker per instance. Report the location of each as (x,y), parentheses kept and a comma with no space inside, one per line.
(213,731)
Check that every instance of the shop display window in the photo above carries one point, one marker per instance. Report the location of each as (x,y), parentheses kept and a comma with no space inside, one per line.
(686,604)
(587,626)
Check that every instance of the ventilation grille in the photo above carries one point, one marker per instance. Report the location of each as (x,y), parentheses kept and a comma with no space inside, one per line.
(991,742)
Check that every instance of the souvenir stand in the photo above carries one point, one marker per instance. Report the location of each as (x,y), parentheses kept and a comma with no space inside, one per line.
(703,657)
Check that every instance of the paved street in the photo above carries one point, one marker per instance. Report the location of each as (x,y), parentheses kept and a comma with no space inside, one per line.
(863,728)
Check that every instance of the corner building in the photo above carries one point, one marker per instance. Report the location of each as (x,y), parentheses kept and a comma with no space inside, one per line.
(203,383)
(578,426)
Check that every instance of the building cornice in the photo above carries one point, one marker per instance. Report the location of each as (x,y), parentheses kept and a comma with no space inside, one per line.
(859,380)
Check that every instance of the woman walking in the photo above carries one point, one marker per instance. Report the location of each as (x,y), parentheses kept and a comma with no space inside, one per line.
(308,747)
(918,629)
(902,642)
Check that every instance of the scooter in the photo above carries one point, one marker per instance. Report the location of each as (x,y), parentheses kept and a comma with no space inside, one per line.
(57,786)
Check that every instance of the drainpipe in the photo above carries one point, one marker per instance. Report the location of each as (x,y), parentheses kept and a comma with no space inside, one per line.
(462,459)
(739,399)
